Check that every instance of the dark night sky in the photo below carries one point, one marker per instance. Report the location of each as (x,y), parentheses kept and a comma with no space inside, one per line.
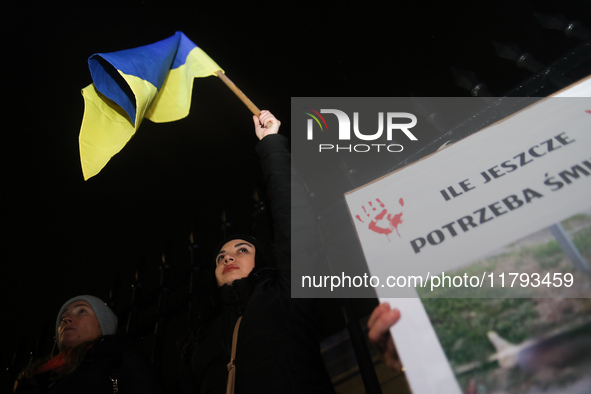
(63,236)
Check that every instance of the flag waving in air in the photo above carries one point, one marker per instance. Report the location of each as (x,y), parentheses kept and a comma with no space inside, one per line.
(153,81)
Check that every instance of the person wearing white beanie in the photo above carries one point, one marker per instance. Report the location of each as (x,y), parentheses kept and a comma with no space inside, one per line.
(92,357)
(83,318)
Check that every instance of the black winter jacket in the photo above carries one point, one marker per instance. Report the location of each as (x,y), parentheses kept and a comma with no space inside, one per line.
(278,347)
(110,355)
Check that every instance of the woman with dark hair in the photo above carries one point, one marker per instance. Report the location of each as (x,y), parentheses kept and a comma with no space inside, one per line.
(276,349)
(92,358)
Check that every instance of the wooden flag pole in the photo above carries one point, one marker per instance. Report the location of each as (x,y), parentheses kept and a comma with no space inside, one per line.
(253,108)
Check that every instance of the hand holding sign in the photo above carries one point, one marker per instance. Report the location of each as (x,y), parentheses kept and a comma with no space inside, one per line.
(379,323)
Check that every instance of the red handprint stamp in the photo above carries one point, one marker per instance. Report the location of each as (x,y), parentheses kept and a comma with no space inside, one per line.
(391,221)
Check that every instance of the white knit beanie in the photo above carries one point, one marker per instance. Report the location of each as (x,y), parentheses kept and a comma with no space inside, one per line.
(106,318)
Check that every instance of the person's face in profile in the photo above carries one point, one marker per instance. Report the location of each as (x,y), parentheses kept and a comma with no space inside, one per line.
(79,324)
(234,261)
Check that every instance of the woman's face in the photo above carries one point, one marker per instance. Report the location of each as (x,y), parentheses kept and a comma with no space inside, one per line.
(234,261)
(79,325)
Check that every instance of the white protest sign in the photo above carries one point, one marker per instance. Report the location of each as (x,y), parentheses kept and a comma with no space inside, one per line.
(509,180)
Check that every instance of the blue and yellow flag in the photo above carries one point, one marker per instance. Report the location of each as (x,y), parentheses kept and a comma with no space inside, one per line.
(154,82)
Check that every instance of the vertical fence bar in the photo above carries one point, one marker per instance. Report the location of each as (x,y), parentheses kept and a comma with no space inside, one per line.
(262,220)
(569,248)
(194,270)
(227,225)
(17,363)
(165,269)
(113,301)
(136,294)
(364,361)
(41,342)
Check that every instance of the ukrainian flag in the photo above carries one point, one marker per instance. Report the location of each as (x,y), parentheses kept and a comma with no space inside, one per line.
(154,82)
